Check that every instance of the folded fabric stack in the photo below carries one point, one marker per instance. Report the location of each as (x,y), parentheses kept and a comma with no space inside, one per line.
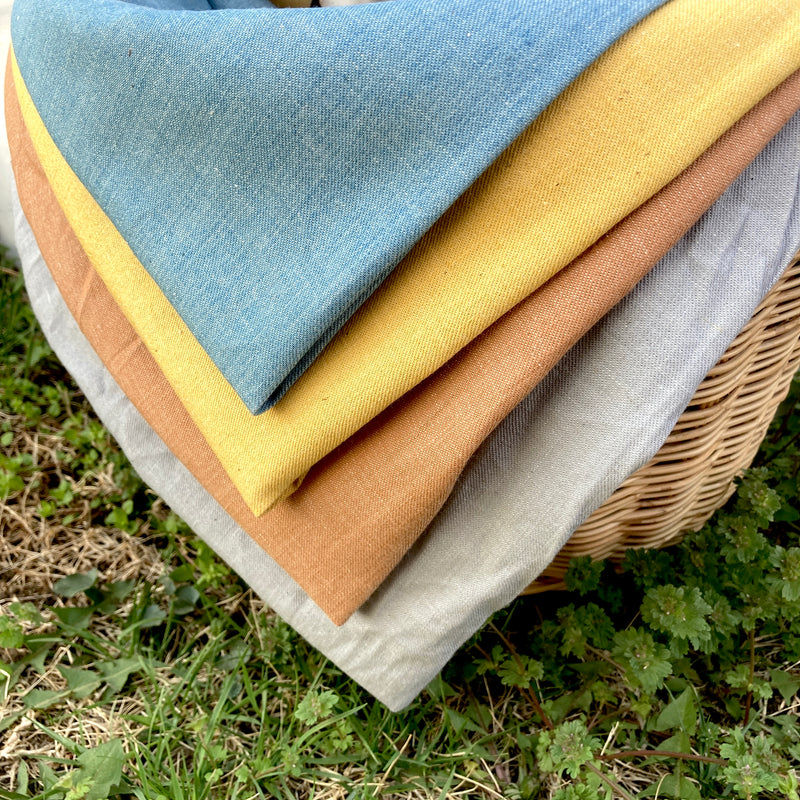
(386,299)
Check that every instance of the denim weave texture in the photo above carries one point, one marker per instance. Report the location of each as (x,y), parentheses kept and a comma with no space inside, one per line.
(269,167)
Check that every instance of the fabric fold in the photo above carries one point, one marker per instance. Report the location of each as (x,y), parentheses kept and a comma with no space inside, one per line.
(270,167)
(363,506)
(600,150)
(601,413)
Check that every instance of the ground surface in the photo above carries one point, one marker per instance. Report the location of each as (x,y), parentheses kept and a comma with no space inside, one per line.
(133,663)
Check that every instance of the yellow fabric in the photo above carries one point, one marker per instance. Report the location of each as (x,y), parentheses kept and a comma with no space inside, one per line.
(635,119)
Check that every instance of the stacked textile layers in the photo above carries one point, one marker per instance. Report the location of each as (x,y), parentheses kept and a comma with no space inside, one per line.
(382,426)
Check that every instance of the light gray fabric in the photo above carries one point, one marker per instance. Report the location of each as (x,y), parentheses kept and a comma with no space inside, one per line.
(602,413)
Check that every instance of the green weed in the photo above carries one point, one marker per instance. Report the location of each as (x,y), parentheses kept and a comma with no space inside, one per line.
(674,676)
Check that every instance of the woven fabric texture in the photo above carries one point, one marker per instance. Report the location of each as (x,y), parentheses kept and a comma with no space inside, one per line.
(270,167)
(364,505)
(598,416)
(549,197)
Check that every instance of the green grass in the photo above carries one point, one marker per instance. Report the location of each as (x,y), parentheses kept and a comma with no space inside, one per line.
(133,663)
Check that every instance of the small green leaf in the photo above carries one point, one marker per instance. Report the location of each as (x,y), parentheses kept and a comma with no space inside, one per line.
(459,722)
(77,618)
(558,707)
(10,483)
(63,493)
(587,624)
(41,698)
(48,778)
(566,748)
(677,743)
(676,786)
(151,615)
(13,795)
(751,763)
(340,738)
(788,786)
(171,523)
(46,509)
(521,671)
(681,713)
(786,684)
(186,598)
(22,778)
(583,574)
(26,612)
(116,673)
(117,518)
(316,706)
(642,707)
(102,765)
(438,688)
(647,660)
(75,584)
(679,611)
(81,682)
(40,647)
(11,633)
(182,574)
(119,590)
(236,652)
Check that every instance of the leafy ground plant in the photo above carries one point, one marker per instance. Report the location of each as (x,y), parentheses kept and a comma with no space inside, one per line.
(134,664)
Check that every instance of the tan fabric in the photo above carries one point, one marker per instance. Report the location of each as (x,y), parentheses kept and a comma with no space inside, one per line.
(627,126)
(362,507)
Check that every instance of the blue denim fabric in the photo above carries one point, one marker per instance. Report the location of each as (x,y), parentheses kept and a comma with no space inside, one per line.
(269,167)
(598,416)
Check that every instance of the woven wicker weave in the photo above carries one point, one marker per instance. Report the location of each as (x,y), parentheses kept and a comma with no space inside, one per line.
(714,439)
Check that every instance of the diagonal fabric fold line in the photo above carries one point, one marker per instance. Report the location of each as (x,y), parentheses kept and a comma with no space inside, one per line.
(565,184)
(363,506)
(599,415)
(270,167)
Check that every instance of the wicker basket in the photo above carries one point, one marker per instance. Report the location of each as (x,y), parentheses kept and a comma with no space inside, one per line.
(715,438)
